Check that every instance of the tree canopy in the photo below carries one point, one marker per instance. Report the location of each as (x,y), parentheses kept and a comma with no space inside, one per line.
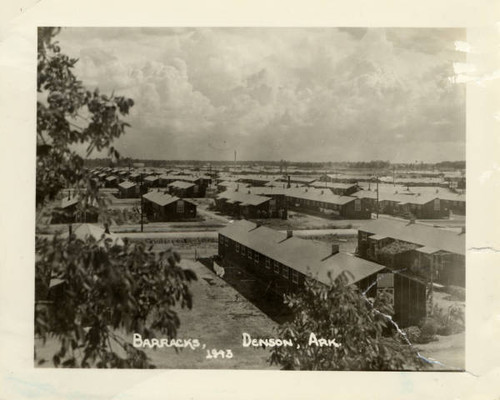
(69,114)
(91,292)
(360,326)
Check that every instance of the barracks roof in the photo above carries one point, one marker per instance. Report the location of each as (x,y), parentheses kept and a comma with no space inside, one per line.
(181,185)
(127,184)
(325,196)
(305,256)
(160,198)
(242,197)
(423,235)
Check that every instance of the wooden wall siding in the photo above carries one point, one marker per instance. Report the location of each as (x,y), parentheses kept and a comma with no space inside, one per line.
(277,282)
(346,211)
(157,213)
(410,301)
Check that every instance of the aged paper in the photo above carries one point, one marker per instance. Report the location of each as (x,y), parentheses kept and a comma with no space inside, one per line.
(20,379)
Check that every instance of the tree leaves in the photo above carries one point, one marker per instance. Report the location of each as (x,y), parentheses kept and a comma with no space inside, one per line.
(100,288)
(105,290)
(67,114)
(340,312)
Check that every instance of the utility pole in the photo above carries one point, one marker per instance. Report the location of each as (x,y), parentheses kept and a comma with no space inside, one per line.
(142,202)
(377,197)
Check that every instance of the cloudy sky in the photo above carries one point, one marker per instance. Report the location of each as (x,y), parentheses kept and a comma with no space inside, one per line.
(319,94)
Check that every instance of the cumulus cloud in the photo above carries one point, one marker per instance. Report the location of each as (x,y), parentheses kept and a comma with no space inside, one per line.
(273,93)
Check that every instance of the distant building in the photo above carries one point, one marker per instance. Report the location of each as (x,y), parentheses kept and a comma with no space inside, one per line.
(325,202)
(101,176)
(111,181)
(278,207)
(162,207)
(151,181)
(455,202)
(128,189)
(240,204)
(406,204)
(341,189)
(280,184)
(206,180)
(455,179)
(346,178)
(71,210)
(231,185)
(183,189)
(134,177)
(256,180)
(199,188)
(297,179)
(416,181)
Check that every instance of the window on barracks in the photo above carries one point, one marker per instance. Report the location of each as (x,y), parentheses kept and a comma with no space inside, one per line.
(276,267)
(243,249)
(284,271)
(249,254)
(180,207)
(268,263)
(256,257)
(237,247)
(295,276)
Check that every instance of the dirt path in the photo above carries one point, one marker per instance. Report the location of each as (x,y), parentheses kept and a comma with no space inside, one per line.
(448,350)
(218,319)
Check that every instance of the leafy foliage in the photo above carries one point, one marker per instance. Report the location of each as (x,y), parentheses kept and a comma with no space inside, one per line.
(68,114)
(342,313)
(105,289)
(450,320)
(90,292)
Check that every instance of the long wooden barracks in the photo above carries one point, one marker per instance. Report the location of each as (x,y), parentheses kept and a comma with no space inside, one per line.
(394,257)
(416,247)
(420,256)
(283,261)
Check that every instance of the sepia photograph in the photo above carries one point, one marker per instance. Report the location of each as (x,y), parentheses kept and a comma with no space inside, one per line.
(250,198)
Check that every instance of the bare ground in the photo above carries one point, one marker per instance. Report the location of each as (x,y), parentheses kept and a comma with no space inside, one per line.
(218,319)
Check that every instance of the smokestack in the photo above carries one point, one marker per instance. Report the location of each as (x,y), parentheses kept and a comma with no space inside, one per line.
(335,248)
(289,234)
(288,181)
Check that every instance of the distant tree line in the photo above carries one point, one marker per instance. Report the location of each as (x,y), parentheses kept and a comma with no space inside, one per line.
(451,165)
(371,165)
